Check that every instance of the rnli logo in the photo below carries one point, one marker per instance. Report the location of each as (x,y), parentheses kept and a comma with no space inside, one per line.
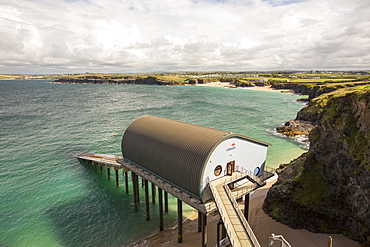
(233,146)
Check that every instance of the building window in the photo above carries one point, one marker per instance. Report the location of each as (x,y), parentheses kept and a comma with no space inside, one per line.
(257,171)
(218,170)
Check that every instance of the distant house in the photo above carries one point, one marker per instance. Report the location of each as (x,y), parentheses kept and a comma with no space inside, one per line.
(264,80)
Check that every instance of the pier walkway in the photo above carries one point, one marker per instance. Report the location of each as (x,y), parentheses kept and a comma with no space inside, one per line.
(118,162)
(103,159)
(239,232)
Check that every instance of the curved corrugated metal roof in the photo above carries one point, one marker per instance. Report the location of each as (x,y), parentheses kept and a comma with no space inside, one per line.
(174,150)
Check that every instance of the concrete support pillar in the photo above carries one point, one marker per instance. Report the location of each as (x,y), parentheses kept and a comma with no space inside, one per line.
(153,193)
(246,206)
(223,232)
(218,238)
(117,177)
(147,209)
(101,169)
(179,221)
(108,172)
(204,230)
(126,182)
(199,221)
(165,201)
(160,202)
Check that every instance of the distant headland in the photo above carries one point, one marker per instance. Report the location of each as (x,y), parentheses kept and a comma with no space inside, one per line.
(312,83)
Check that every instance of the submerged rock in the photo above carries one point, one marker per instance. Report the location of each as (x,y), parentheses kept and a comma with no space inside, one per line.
(327,189)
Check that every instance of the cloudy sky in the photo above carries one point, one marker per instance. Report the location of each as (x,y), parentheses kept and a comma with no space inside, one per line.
(70,36)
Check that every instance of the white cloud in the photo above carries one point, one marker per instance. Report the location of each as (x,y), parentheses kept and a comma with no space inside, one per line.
(45,36)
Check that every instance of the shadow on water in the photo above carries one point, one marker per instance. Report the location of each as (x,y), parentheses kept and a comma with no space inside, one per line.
(105,216)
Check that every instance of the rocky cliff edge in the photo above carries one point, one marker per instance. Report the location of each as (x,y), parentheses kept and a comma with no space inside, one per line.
(327,189)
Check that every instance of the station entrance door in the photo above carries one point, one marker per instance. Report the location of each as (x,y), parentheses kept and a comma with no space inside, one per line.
(230,168)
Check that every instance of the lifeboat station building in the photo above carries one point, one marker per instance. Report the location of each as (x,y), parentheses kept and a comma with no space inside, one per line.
(187,155)
(199,166)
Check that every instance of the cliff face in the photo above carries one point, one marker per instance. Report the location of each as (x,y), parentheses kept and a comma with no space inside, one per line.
(327,189)
(313,90)
(149,80)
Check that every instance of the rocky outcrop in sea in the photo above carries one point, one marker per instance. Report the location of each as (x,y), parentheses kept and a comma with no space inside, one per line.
(327,189)
(295,128)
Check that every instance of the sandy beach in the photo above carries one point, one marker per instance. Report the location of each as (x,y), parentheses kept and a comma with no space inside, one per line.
(228,85)
(262,225)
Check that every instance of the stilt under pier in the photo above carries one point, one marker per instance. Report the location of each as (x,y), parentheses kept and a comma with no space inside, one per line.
(108,172)
(126,182)
(153,193)
(165,201)
(199,221)
(147,209)
(117,177)
(134,179)
(160,202)
(179,221)
(204,230)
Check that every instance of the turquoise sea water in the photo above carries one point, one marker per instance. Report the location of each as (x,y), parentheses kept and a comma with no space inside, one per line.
(49,199)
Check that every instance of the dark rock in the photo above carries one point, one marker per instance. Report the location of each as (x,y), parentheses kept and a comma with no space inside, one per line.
(260,84)
(302,100)
(148,81)
(295,128)
(192,82)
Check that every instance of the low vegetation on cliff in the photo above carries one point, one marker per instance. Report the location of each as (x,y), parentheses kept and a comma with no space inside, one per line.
(327,188)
